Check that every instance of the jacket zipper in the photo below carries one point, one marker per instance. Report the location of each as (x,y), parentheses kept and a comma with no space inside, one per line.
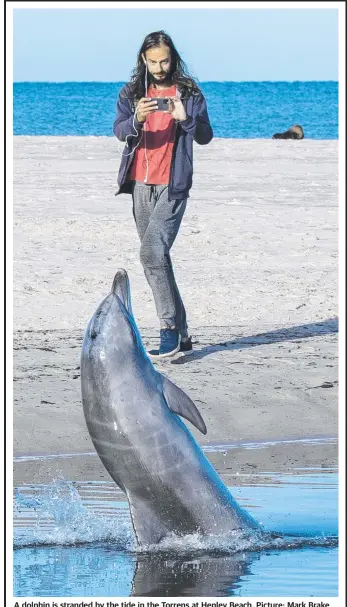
(173,160)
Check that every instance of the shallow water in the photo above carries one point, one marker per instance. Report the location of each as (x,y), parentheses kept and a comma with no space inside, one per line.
(76,539)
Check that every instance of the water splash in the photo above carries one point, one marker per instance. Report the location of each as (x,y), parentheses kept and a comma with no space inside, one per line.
(58,516)
(60,503)
(236,542)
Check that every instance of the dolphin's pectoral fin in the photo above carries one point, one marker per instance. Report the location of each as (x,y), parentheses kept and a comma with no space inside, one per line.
(147,526)
(178,402)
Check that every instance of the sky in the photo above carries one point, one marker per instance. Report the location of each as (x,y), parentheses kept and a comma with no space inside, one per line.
(217,44)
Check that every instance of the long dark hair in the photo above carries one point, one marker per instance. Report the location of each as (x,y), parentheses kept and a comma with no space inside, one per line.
(179,74)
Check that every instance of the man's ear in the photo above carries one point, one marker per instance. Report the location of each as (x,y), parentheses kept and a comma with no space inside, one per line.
(144,59)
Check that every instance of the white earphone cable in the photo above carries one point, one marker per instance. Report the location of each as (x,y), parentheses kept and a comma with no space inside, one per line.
(132,135)
(137,133)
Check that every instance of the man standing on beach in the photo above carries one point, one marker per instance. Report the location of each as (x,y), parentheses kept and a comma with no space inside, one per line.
(157,168)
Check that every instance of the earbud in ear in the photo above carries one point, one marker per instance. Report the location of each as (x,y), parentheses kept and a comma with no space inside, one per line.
(144,60)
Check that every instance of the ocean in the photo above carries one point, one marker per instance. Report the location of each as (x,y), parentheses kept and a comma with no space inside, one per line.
(237,110)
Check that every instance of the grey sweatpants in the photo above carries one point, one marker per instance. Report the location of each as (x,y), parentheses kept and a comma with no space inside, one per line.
(157,221)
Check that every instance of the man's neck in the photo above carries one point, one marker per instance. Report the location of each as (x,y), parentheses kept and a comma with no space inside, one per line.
(161,87)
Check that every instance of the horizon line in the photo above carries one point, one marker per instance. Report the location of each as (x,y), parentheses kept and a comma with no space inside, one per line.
(125,81)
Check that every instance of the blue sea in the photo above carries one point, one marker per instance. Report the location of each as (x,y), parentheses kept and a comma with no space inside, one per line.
(239,110)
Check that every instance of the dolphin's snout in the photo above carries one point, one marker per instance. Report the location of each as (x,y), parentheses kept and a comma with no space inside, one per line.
(121,288)
(121,277)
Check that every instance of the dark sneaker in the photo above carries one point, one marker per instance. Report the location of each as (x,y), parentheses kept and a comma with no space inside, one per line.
(169,344)
(186,345)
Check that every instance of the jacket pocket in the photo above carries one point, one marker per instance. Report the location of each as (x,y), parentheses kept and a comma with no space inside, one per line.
(182,171)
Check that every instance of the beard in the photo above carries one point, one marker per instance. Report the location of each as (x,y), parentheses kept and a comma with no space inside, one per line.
(155,80)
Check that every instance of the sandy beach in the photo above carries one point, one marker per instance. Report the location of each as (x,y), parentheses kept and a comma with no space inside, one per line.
(256,261)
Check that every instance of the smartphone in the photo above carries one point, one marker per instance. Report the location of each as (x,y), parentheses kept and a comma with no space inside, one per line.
(163,103)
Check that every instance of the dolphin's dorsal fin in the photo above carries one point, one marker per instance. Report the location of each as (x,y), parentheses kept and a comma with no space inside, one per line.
(178,402)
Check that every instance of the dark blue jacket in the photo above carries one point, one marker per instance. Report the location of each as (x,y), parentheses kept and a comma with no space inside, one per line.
(196,127)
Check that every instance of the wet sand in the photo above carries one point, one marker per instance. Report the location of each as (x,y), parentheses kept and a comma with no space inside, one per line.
(256,262)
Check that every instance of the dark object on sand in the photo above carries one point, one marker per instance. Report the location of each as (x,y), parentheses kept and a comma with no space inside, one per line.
(295,132)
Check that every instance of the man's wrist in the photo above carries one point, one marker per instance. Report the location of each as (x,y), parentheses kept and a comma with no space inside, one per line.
(185,120)
(137,119)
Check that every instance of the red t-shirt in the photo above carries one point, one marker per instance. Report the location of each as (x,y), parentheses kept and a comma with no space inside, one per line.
(158,138)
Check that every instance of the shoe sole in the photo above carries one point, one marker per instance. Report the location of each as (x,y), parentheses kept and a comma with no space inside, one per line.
(161,356)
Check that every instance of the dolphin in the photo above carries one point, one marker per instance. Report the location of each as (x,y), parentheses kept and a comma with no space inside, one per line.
(133,414)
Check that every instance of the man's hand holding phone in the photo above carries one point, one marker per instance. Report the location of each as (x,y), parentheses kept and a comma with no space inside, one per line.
(145,106)
(169,105)
(176,109)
